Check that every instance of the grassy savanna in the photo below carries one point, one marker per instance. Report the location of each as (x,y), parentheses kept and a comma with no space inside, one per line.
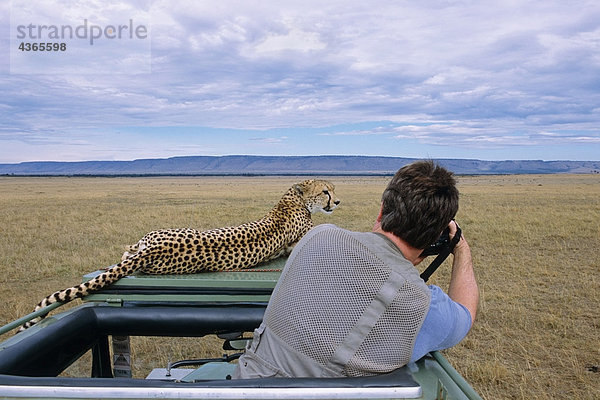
(535,242)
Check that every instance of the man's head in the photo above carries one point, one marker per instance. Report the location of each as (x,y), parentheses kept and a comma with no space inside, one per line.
(419,202)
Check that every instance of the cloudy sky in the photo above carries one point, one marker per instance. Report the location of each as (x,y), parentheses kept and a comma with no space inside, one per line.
(441,79)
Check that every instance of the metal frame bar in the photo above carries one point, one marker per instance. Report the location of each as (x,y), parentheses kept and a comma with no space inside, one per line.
(212,393)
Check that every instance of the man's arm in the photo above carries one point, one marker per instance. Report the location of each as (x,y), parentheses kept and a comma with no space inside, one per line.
(463,286)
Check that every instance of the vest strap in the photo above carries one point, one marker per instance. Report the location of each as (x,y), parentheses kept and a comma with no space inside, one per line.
(351,343)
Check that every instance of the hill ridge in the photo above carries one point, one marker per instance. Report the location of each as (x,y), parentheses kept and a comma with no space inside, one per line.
(288,165)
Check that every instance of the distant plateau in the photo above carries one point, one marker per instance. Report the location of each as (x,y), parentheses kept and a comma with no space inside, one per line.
(287,165)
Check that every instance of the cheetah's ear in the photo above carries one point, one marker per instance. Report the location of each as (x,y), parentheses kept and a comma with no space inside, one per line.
(299,188)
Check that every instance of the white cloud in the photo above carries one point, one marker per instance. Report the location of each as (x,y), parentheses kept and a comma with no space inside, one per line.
(294,40)
(270,140)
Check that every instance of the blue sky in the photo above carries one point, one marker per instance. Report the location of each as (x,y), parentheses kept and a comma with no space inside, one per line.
(433,79)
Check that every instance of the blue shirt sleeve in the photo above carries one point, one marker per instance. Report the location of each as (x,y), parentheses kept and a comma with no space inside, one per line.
(446,324)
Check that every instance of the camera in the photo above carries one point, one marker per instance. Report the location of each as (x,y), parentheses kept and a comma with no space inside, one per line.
(442,248)
(444,243)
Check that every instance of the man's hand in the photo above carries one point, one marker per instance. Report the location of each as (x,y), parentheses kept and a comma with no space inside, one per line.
(453,229)
(463,286)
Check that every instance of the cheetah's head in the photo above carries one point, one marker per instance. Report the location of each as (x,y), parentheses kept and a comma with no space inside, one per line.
(318,195)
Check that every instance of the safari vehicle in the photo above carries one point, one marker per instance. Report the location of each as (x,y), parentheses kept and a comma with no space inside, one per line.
(228,304)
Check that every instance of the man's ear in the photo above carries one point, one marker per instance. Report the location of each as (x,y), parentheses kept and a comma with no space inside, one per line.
(379,216)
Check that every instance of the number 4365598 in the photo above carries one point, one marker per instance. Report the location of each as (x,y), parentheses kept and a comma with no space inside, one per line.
(26,46)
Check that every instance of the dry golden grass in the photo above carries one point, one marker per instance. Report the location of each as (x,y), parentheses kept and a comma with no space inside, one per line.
(535,243)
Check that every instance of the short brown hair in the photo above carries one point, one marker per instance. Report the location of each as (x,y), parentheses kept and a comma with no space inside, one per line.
(419,202)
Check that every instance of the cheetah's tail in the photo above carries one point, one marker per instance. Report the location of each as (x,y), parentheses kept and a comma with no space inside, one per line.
(120,270)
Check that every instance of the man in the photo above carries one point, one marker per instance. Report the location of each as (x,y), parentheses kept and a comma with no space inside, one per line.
(353,304)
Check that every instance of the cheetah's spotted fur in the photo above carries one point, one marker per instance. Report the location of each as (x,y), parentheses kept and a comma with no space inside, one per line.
(184,251)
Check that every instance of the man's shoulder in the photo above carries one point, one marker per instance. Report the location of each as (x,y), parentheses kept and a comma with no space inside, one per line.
(321,229)
(334,230)
(325,227)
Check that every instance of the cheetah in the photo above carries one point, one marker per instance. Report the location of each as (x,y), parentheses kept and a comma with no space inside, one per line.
(185,251)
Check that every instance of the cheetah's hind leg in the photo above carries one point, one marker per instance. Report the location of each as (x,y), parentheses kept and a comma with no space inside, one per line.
(131,250)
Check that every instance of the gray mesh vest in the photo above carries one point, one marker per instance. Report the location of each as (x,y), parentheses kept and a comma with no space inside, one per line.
(346,304)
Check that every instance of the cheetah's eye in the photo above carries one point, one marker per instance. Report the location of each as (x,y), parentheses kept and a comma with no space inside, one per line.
(326,191)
